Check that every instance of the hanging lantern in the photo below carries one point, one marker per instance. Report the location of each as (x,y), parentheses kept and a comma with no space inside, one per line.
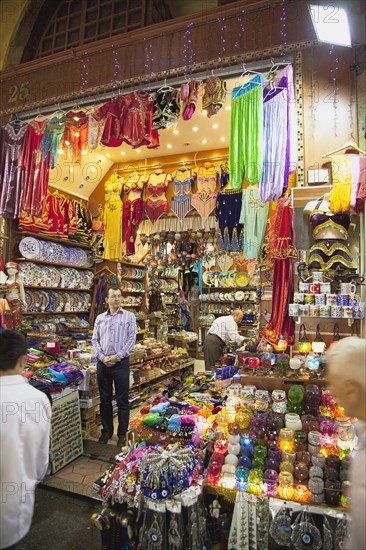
(281,344)
(318,345)
(336,336)
(304,345)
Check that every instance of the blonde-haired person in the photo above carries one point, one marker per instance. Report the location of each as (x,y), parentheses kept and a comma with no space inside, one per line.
(347,382)
(223,330)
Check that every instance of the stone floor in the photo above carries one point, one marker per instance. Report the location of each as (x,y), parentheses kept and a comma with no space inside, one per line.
(62,521)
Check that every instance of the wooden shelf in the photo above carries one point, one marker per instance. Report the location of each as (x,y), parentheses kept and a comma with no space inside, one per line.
(58,288)
(41,262)
(56,313)
(227,301)
(57,240)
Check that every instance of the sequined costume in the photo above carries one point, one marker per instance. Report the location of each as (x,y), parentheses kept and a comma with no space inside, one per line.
(214,95)
(132,210)
(204,201)
(253,216)
(14,304)
(224,175)
(111,113)
(113,219)
(75,136)
(181,202)
(36,169)
(281,250)
(52,136)
(11,170)
(228,206)
(166,109)
(246,133)
(95,130)
(137,122)
(330,251)
(156,204)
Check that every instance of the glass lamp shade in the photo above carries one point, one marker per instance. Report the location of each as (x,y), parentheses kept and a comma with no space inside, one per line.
(281,344)
(318,345)
(296,394)
(312,360)
(304,345)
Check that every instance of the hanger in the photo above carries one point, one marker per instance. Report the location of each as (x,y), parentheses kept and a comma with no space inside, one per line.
(106,268)
(165,87)
(347,145)
(243,74)
(16,120)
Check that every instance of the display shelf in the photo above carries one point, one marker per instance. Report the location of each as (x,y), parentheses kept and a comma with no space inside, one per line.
(229,288)
(162,376)
(270,382)
(254,325)
(46,237)
(133,291)
(42,262)
(228,301)
(59,288)
(54,312)
(133,278)
(66,441)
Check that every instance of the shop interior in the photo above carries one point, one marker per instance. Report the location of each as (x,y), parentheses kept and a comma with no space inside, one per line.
(239,450)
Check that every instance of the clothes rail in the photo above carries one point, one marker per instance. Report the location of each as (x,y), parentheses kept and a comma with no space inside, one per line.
(130,168)
(143,83)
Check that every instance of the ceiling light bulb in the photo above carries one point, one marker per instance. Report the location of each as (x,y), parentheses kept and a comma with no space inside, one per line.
(215,125)
(204,141)
(176,132)
(222,138)
(169,145)
(228,107)
(194,129)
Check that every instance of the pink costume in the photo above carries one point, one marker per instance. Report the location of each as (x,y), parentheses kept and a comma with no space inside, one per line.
(204,201)
(11,171)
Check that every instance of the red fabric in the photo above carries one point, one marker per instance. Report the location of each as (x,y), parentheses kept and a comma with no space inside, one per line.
(112,112)
(361,191)
(281,251)
(132,217)
(36,170)
(155,209)
(137,124)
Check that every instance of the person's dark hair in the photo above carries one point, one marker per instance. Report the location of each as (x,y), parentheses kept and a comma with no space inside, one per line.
(12,346)
(112,287)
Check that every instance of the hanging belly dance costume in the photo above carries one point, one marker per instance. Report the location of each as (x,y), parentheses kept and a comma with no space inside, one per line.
(330,250)
(228,208)
(181,203)
(204,201)
(156,204)
(132,211)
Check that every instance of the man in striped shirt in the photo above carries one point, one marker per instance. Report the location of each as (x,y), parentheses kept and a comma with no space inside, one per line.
(113,339)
